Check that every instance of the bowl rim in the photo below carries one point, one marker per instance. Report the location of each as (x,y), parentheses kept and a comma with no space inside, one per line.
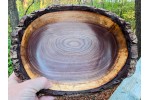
(103,12)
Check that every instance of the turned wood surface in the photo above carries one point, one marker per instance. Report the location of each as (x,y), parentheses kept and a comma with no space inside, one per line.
(98,49)
(71,52)
(77,51)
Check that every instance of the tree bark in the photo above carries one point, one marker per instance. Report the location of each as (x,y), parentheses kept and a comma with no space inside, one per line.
(13,13)
(138,23)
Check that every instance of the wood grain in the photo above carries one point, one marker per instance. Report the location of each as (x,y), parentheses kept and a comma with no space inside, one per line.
(113,25)
(45,50)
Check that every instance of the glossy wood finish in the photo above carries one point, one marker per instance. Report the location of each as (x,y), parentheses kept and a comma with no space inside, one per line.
(71,52)
(75,50)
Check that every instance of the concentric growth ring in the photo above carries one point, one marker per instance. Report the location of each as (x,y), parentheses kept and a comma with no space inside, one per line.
(71,51)
(78,51)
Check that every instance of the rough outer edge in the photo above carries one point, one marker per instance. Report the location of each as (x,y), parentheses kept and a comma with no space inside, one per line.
(131,40)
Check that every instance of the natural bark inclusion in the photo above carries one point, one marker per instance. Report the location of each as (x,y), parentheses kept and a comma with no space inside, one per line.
(71,51)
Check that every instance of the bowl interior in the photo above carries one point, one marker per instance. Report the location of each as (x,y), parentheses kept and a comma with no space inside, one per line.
(71,51)
(75,50)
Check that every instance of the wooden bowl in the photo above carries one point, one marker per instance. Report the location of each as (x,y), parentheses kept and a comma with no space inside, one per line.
(77,48)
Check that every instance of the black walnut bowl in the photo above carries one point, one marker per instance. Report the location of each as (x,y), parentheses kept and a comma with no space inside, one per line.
(78,48)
